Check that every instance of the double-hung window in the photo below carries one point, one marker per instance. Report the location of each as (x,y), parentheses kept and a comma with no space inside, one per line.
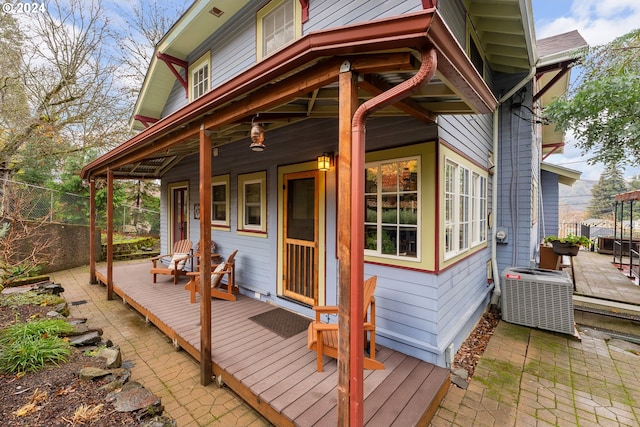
(220,201)
(252,202)
(392,208)
(279,23)
(465,206)
(199,74)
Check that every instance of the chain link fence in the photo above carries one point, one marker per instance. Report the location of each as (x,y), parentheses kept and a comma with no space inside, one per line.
(31,202)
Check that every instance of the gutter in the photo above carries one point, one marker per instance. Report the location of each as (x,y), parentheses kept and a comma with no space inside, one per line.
(497,291)
(410,31)
(425,73)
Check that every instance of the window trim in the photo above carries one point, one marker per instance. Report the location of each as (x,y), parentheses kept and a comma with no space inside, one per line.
(268,8)
(243,180)
(476,232)
(418,227)
(216,181)
(197,65)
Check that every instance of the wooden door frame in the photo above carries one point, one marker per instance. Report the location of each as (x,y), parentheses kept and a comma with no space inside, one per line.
(321,183)
(170,214)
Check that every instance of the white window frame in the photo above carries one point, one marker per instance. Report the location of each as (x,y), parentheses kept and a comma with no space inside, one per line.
(215,182)
(465,208)
(479,209)
(200,77)
(379,224)
(243,181)
(262,25)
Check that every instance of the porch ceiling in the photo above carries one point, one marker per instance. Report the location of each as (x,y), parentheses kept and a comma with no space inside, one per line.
(300,83)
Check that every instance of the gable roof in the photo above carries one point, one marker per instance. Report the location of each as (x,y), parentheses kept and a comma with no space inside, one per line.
(189,31)
(558,54)
(566,176)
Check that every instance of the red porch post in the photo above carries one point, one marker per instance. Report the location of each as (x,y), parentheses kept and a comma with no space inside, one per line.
(92,231)
(350,395)
(206,365)
(109,234)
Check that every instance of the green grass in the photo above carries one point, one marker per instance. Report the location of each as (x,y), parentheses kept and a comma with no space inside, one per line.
(28,347)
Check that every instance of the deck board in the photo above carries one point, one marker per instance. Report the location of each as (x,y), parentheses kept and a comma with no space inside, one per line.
(278,375)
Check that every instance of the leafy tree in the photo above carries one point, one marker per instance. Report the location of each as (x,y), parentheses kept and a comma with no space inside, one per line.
(611,182)
(602,109)
(66,86)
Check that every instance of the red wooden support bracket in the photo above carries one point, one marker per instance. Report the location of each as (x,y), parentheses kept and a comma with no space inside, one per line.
(145,120)
(305,10)
(172,62)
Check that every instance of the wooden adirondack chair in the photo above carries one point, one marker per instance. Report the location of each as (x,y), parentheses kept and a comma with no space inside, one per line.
(178,261)
(323,337)
(217,288)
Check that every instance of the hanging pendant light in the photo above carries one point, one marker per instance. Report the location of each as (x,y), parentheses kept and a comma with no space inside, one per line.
(257,137)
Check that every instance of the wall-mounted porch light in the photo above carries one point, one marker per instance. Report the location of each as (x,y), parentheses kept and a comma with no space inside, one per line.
(257,137)
(324,162)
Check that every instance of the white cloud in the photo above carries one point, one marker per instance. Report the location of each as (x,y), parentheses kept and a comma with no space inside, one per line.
(598,21)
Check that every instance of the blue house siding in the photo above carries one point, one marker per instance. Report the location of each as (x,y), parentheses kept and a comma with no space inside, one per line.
(550,207)
(516,163)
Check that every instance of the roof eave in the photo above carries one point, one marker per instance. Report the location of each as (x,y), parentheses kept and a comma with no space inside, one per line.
(416,30)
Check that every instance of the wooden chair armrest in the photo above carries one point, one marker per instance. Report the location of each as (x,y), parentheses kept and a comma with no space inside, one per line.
(157,257)
(193,273)
(322,327)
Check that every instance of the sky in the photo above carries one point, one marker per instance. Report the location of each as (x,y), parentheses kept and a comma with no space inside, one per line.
(599,22)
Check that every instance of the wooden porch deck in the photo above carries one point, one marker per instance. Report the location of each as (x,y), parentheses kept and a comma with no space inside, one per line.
(278,376)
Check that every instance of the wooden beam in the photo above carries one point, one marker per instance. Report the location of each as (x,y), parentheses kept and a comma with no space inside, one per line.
(271,96)
(375,86)
(110,234)
(348,104)
(92,231)
(206,362)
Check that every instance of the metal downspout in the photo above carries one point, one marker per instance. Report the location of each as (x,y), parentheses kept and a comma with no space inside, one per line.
(495,298)
(423,76)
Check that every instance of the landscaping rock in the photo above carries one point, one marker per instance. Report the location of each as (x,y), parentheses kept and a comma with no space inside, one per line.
(50,288)
(112,355)
(89,338)
(54,315)
(90,373)
(62,308)
(133,396)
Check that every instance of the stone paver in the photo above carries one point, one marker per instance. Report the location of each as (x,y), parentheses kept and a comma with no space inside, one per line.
(560,381)
(172,375)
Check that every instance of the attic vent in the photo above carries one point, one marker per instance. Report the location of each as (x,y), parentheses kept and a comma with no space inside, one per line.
(216,12)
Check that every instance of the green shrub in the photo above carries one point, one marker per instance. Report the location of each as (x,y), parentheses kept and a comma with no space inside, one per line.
(28,347)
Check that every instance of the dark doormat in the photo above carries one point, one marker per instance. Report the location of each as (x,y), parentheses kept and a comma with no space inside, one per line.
(282,322)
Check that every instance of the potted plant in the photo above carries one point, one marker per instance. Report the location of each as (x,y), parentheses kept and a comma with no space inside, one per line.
(568,245)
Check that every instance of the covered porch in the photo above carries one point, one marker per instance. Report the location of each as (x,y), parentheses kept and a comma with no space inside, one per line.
(391,68)
(274,374)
